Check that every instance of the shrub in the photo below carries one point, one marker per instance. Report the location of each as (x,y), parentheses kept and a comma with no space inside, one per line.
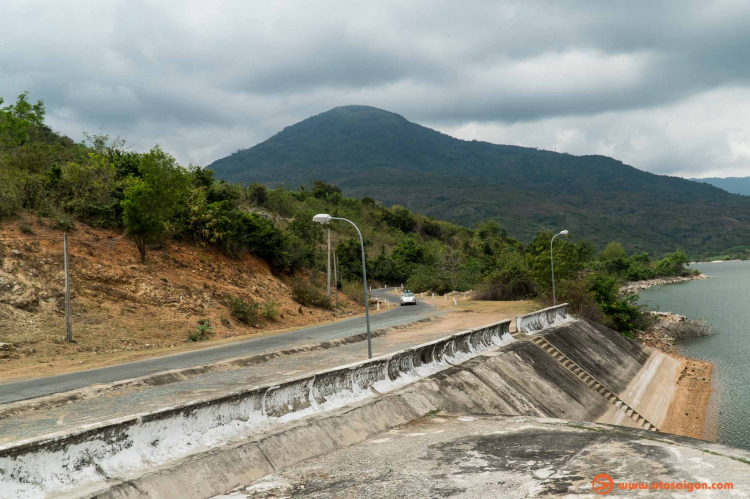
(426,278)
(26,229)
(512,281)
(309,293)
(64,222)
(682,330)
(270,311)
(621,314)
(203,331)
(672,264)
(582,303)
(247,312)
(354,290)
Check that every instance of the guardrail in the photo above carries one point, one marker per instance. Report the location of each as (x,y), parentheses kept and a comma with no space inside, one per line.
(534,322)
(60,463)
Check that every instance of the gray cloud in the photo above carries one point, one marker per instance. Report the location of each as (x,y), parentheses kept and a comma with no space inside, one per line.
(628,79)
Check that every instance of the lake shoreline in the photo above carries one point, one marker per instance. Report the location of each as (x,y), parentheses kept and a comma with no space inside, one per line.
(633,287)
(688,411)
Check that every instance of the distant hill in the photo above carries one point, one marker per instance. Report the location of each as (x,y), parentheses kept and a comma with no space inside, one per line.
(735,185)
(370,152)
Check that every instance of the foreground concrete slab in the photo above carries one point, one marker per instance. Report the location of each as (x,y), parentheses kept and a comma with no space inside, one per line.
(475,456)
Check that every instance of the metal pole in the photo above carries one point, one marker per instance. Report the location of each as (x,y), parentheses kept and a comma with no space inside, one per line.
(68,327)
(552,266)
(336,275)
(328,269)
(364,279)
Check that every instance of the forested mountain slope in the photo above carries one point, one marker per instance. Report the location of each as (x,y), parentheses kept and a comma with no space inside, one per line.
(371,152)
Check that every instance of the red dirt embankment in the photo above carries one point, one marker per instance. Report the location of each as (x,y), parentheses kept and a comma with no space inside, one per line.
(124,310)
(687,412)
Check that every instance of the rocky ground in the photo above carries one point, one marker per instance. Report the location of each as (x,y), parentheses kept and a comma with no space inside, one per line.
(124,310)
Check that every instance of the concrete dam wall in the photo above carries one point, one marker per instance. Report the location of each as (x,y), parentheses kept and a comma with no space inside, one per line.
(60,463)
(205,448)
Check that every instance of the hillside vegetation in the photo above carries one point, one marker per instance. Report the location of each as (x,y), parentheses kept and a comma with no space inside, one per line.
(371,152)
(157,205)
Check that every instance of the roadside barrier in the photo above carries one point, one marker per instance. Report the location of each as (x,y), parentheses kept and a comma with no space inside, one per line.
(534,322)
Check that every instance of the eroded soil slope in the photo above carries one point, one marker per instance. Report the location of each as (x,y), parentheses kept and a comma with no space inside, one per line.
(123,310)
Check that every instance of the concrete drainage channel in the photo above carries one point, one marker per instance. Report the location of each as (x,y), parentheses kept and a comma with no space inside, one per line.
(105,457)
(536,322)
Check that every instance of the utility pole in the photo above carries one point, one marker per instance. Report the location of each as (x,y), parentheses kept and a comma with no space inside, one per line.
(328,270)
(336,275)
(68,327)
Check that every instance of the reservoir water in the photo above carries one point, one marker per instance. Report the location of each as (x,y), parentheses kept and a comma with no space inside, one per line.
(723,301)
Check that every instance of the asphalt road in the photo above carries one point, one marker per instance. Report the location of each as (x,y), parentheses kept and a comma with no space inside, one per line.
(21,390)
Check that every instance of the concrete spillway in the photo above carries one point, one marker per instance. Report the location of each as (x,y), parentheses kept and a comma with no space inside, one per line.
(207,447)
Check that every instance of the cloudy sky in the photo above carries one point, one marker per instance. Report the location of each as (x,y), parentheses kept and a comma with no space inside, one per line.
(663,86)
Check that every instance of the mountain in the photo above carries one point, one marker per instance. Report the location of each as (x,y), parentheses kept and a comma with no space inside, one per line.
(735,185)
(371,152)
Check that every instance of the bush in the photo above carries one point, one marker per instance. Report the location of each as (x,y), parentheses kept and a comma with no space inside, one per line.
(512,281)
(64,222)
(427,278)
(687,329)
(26,229)
(672,265)
(247,312)
(309,293)
(354,290)
(270,311)
(621,314)
(582,303)
(203,331)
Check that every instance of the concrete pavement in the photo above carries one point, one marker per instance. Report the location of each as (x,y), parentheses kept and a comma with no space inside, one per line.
(22,390)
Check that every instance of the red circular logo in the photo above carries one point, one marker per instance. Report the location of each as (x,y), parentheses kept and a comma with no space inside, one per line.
(602,484)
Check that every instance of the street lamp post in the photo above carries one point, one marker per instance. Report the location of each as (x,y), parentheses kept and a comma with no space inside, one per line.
(552,264)
(324,218)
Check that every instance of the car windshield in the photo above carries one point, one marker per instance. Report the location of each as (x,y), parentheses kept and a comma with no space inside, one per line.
(408,295)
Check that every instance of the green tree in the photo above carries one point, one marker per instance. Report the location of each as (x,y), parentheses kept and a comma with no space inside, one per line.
(18,121)
(567,260)
(90,187)
(613,257)
(152,200)
(672,265)
(400,218)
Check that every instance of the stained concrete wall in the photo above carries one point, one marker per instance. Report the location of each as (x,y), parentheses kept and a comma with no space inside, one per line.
(605,354)
(59,463)
(535,322)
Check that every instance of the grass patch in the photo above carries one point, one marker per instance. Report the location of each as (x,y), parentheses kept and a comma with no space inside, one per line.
(26,229)
(739,459)
(354,290)
(658,440)
(203,331)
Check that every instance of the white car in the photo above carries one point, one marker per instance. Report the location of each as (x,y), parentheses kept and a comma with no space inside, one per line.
(408,298)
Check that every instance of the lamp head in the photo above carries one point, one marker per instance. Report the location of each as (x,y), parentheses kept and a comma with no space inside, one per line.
(563,232)
(322,218)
